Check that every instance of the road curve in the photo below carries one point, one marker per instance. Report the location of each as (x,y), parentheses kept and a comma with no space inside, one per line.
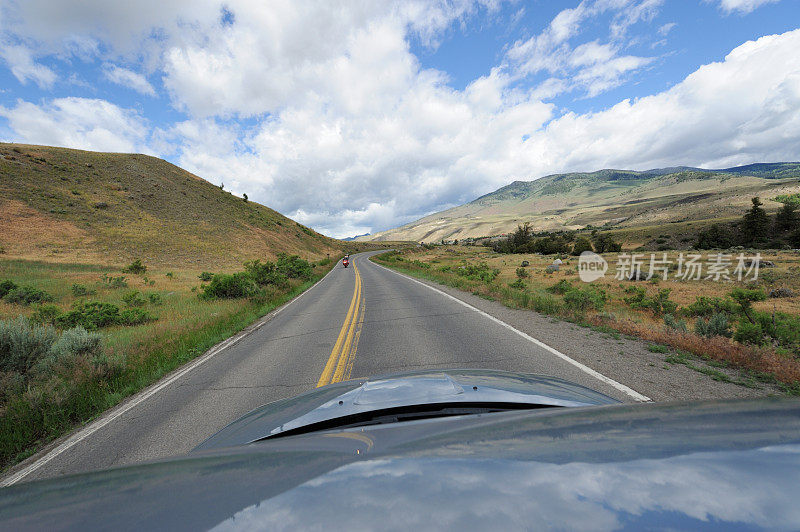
(356,322)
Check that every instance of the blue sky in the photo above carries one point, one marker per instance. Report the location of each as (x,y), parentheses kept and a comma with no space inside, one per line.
(358,116)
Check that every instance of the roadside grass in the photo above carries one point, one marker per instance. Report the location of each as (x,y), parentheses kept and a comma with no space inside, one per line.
(45,407)
(611,314)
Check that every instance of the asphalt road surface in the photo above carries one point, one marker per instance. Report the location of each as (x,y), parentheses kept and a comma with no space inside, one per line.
(360,321)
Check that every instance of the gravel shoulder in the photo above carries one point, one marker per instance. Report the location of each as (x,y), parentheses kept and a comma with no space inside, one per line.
(629,360)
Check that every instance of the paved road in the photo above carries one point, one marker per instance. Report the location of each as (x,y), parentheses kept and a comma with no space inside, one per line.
(360,321)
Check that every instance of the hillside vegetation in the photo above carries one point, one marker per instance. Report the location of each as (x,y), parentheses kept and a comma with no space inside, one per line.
(65,205)
(612,198)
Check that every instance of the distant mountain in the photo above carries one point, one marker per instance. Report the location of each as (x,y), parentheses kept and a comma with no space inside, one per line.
(109,208)
(351,238)
(622,198)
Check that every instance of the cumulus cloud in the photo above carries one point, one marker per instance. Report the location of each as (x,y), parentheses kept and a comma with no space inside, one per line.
(320,109)
(78,123)
(128,78)
(743,6)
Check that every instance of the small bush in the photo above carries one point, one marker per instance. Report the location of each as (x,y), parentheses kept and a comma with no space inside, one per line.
(583,299)
(478,272)
(717,325)
(79,290)
(265,273)
(293,267)
(25,295)
(155,298)
(658,348)
(706,306)
(519,284)
(169,275)
(134,299)
(749,333)
(72,344)
(115,282)
(659,303)
(22,345)
(522,273)
(561,287)
(136,267)
(6,287)
(90,316)
(45,314)
(225,286)
(672,323)
(134,316)
(205,276)
(445,268)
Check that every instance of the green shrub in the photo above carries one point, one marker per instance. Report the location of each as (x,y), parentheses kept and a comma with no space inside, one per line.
(519,284)
(658,348)
(583,299)
(22,345)
(659,303)
(72,344)
(230,286)
(420,264)
(155,298)
(478,272)
(206,276)
(45,314)
(6,287)
(522,273)
(134,316)
(561,287)
(265,273)
(706,306)
(672,323)
(25,295)
(293,267)
(115,282)
(745,298)
(582,244)
(444,268)
(136,267)
(169,275)
(90,316)
(717,325)
(134,299)
(749,333)
(79,290)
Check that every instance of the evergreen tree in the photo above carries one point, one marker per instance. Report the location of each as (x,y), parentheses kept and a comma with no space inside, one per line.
(786,219)
(755,224)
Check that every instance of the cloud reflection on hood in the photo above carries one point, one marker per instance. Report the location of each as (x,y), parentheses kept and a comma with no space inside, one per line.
(744,489)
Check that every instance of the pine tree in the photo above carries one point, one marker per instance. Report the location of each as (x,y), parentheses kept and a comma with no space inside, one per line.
(786,219)
(755,224)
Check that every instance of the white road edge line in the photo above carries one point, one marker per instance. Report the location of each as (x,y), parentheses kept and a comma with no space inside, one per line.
(93,427)
(596,374)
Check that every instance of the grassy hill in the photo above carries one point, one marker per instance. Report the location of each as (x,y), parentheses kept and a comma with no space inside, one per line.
(64,205)
(612,198)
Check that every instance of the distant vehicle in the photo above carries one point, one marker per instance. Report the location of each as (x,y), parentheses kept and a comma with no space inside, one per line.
(345,262)
(452,449)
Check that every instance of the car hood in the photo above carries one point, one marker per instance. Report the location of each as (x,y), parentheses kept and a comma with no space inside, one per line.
(341,401)
(711,465)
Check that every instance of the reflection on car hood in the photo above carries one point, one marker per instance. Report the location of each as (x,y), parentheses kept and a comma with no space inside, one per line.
(712,465)
(346,399)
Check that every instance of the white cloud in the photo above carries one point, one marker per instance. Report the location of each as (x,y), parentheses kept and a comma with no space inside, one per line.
(22,65)
(128,78)
(320,110)
(78,123)
(743,6)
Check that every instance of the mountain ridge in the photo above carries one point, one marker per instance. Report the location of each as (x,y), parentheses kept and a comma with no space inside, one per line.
(606,197)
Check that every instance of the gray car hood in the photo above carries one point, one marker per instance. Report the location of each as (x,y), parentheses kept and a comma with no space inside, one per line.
(317,408)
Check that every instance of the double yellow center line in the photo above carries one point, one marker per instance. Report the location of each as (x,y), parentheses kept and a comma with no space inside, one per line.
(340,363)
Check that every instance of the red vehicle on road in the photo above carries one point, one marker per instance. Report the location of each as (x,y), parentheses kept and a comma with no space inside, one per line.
(346,261)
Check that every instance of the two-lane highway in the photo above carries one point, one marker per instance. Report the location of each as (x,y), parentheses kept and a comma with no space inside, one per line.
(359,321)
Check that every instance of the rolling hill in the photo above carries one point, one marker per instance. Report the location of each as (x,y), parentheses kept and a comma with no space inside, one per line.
(612,198)
(65,205)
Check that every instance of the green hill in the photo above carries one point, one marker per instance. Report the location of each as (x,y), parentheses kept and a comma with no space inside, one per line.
(67,205)
(612,198)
